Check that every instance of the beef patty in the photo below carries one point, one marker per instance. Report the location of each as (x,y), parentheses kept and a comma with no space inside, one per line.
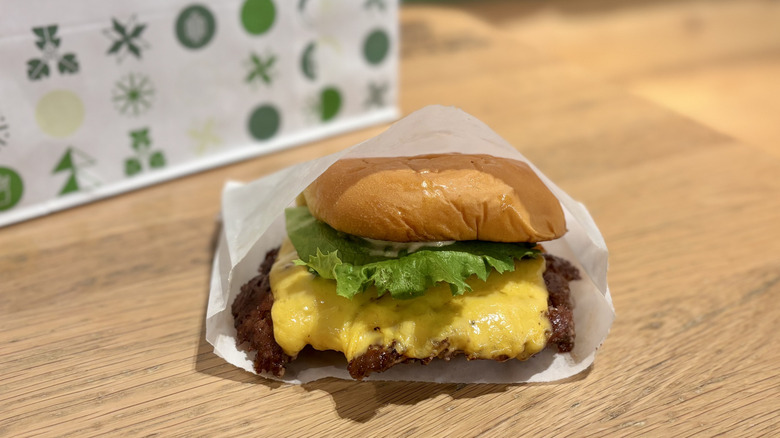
(255,328)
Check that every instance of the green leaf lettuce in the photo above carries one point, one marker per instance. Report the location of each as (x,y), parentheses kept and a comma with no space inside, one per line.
(356,263)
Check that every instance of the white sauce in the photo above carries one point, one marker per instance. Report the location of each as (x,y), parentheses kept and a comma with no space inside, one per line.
(385,248)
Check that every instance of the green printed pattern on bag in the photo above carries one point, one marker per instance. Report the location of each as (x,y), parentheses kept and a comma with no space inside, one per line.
(49,43)
(73,161)
(142,145)
(126,38)
(208,78)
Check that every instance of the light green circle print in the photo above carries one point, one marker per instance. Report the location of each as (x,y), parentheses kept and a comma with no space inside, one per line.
(11,188)
(195,27)
(59,113)
(257,16)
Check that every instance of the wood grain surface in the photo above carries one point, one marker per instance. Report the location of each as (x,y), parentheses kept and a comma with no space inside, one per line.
(716,61)
(102,307)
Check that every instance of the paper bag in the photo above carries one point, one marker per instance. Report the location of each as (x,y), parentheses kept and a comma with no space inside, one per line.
(101,97)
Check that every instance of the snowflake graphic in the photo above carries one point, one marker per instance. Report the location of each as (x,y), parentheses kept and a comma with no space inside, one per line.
(126,38)
(260,69)
(4,132)
(133,94)
(205,137)
(376,94)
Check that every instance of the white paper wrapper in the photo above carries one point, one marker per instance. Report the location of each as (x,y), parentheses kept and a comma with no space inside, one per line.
(253,224)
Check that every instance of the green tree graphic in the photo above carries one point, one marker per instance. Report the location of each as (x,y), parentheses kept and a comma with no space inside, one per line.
(260,69)
(73,161)
(142,144)
(126,38)
(49,43)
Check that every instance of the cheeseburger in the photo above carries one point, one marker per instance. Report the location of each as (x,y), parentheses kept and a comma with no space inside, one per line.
(410,259)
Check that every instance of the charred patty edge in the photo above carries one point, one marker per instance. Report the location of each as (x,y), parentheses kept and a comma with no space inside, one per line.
(254,325)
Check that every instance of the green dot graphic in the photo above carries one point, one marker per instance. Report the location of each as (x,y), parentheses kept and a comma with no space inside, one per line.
(11,188)
(264,122)
(308,62)
(258,16)
(330,99)
(195,27)
(376,46)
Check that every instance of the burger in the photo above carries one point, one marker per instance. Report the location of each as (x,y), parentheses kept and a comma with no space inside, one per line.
(411,259)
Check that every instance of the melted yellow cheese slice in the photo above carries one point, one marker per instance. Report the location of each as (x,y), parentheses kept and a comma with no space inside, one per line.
(503,317)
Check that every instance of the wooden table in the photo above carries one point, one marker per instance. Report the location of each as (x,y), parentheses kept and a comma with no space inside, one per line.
(102,307)
(715,61)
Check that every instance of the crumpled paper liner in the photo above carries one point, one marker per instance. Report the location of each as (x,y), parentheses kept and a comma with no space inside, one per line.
(253,224)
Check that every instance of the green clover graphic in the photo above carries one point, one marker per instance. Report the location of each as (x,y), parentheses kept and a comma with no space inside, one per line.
(132,166)
(157,160)
(49,43)
(141,143)
(68,64)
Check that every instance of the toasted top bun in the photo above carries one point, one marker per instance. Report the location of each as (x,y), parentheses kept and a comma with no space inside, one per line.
(436,197)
